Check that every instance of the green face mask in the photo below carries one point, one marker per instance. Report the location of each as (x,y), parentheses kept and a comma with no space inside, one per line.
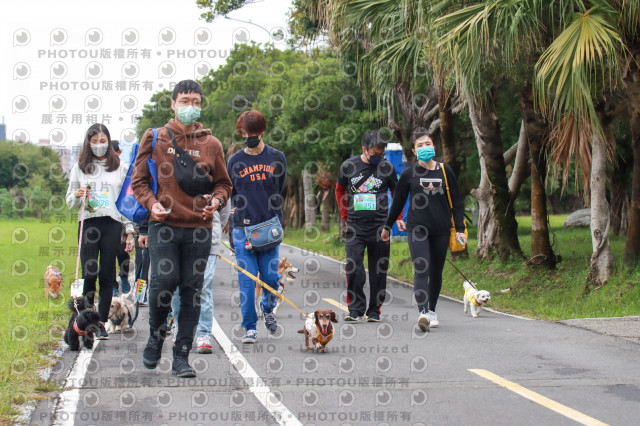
(188,114)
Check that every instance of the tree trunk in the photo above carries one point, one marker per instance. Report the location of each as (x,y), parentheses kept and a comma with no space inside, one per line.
(410,112)
(619,197)
(309,200)
(536,129)
(449,154)
(300,205)
(497,226)
(327,208)
(521,168)
(632,245)
(289,210)
(601,259)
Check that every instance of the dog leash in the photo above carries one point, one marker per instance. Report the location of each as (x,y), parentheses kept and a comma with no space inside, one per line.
(75,299)
(135,316)
(463,276)
(262,283)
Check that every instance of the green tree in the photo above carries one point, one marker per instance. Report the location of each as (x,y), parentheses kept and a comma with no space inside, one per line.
(314,110)
(32,173)
(593,54)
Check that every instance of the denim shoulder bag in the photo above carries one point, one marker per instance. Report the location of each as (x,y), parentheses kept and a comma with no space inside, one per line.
(268,234)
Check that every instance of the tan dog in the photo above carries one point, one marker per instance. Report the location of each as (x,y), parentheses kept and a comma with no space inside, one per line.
(121,313)
(52,282)
(319,328)
(286,271)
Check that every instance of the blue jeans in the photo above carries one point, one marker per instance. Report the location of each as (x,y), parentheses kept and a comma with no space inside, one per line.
(264,262)
(206,300)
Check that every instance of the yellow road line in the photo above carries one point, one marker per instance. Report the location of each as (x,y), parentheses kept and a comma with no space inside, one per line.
(337,304)
(537,398)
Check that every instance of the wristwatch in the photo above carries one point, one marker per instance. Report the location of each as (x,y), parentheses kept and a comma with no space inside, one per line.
(221,203)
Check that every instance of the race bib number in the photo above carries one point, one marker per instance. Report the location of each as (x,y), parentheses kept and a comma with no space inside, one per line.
(364,202)
(99,199)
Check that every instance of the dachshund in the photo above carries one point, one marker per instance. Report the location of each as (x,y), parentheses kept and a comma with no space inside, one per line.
(318,326)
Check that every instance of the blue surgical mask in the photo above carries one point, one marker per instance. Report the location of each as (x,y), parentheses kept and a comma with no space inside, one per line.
(425,153)
(188,114)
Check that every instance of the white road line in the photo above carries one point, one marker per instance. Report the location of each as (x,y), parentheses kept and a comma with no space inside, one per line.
(256,385)
(409,285)
(68,405)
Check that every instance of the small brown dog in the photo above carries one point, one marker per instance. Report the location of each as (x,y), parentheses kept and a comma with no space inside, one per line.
(52,282)
(319,328)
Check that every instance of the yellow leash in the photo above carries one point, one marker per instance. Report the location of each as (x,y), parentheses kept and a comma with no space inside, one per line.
(262,283)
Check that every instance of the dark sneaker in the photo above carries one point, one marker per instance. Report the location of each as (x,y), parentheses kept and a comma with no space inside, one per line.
(125,287)
(102,334)
(373,317)
(180,366)
(152,352)
(353,317)
(270,321)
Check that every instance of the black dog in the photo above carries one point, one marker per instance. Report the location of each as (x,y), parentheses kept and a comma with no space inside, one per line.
(83,323)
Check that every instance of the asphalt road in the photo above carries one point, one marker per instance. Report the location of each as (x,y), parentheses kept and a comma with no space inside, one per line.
(495,370)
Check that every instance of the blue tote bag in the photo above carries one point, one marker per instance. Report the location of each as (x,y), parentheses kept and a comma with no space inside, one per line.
(126,203)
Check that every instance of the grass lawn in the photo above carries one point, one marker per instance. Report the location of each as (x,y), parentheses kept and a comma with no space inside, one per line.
(534,292)
(32,325)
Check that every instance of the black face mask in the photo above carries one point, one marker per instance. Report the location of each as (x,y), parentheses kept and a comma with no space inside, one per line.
(252,141)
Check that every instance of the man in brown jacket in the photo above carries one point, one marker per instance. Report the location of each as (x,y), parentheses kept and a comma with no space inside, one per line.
(179,223)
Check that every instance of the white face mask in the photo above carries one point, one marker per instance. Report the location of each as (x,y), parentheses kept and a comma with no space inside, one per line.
(99,150)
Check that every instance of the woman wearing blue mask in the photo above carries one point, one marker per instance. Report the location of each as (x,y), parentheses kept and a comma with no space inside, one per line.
(428,222)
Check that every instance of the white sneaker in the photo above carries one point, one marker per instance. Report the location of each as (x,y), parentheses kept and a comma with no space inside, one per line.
(433,319)
(423,321)
(174,332)
(204,345)
(250,336)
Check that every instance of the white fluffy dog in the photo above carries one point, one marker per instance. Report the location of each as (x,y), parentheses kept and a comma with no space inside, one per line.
(474,298)
(121,313)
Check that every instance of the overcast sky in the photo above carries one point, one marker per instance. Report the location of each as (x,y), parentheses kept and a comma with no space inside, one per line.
(67,63)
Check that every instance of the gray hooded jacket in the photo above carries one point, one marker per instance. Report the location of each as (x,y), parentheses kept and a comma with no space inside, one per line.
(220,219)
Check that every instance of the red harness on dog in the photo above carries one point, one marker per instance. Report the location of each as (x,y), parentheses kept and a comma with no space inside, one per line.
(77,330)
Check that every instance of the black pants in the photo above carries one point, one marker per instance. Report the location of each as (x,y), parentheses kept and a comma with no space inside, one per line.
(123,260)
(356,241)
(428,253)
(139,259)
(100,241)
(178,261)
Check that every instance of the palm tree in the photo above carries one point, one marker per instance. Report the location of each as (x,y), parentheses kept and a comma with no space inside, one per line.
(467,41)
(574,80)
(506,34)
(395,45)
